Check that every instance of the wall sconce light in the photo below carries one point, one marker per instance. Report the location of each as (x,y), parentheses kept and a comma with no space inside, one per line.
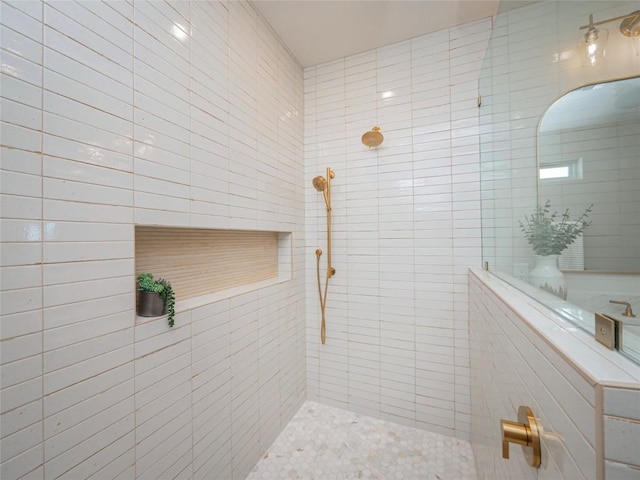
(593,43)
(630,27)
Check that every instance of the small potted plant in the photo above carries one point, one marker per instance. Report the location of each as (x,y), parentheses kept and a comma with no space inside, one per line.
(549,234)
(155,297)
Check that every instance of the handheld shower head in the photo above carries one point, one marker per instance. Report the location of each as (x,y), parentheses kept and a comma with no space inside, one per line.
(319,183)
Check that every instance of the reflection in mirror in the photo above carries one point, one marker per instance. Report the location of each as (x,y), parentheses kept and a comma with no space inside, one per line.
(584,150)
(589,152)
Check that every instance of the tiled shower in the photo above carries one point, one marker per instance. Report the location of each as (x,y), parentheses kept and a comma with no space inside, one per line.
(194,115)
(406,226)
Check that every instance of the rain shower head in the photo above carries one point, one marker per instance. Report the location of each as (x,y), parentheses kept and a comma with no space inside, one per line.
(373,137)
(320,183)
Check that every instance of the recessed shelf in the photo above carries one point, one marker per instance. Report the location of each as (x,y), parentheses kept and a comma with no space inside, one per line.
(204,262)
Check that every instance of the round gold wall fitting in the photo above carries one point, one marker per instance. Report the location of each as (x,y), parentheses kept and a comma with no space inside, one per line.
(531,452)
(630,26)
(373,138)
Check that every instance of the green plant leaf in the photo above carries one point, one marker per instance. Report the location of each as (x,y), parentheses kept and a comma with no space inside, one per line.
(146,283)
(550,234)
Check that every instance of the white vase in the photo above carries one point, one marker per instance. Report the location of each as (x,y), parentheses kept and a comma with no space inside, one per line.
(547,276)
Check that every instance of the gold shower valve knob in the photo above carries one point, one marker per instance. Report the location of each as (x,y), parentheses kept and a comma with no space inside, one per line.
(526,433)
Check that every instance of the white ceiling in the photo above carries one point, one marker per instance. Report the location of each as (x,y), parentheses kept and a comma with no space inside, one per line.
(318,31)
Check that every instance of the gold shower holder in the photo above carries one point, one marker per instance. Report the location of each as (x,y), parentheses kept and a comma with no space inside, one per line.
(323,185)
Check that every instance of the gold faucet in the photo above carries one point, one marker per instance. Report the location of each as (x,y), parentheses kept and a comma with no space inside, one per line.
(627,311)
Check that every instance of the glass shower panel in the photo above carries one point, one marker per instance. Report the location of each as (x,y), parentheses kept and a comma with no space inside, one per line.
(583,150)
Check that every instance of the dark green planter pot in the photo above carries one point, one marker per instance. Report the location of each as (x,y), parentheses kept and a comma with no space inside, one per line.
(150,304)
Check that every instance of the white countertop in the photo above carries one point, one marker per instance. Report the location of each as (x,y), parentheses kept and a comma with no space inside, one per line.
(595,361)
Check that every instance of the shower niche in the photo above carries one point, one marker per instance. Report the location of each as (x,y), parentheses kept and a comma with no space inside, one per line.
(206,265)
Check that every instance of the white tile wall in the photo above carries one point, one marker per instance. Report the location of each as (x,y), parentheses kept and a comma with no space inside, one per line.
(406,224)
(21,336)
(115,113)
(190,113)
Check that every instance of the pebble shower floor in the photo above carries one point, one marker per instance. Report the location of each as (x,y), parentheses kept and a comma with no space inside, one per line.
(326,443)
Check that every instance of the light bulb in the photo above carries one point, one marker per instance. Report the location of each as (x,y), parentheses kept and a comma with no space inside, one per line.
(593,45)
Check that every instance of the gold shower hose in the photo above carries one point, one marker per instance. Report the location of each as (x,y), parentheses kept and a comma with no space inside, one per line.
(323,299)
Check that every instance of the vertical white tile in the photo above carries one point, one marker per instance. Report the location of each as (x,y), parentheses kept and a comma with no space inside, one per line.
(620,402)
(142,132)
(621,439)
(401,242)
(21,258)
